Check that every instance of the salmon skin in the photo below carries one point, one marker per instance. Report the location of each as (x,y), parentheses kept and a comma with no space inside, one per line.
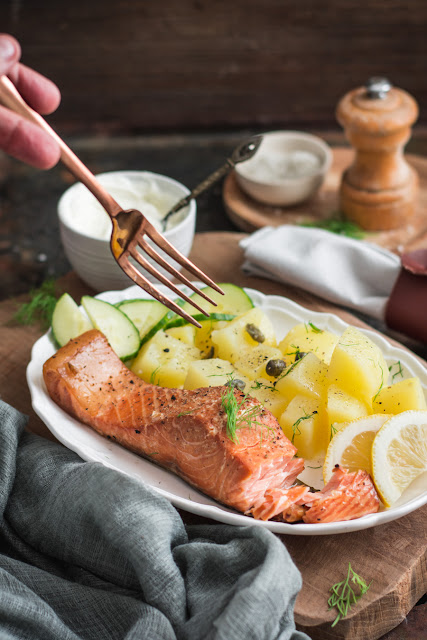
(181,430)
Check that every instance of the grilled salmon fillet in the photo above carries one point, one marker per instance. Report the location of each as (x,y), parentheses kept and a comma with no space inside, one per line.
(183,431)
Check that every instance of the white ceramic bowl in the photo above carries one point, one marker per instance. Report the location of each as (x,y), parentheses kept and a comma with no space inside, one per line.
(85,227)
(288,168)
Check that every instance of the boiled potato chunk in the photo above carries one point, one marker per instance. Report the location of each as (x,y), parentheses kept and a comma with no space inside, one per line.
(267,394)
(186,333)
(203,336)
(164,360)
(307,337)
(358,366)
(401,396)
(235,338)
(304,423)
(342,407)
(307,376)
(252,362)
(209,373)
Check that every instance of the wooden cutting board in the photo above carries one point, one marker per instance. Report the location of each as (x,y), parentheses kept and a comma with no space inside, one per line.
(393,556)
(249,215)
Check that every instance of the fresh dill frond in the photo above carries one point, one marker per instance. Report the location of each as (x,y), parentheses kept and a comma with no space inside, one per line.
(343,595)
(153,375)
(289,369)
(399,371)
(232,407)
(40,307)
(185,413)
(261,385)
(295,427)
(340,227)
(333,432)
(381,385)
(309,326)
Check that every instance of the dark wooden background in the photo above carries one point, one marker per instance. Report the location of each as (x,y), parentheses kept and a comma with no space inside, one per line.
(138,66)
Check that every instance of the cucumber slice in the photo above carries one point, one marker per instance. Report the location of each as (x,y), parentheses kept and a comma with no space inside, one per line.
(143,313)
(177,321)
(119,330)
(161,324)
(68,321)
(234,301)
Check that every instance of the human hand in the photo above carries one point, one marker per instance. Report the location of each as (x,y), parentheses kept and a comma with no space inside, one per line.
(19,137)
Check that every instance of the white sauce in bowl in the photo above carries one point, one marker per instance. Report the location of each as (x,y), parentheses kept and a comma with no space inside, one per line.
(85,214)
(275,166)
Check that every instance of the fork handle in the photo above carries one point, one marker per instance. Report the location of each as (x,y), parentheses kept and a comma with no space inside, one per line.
(10,97)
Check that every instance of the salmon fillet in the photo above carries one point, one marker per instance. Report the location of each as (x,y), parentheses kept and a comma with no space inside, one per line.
(280,501)
(348,495)
(183,431)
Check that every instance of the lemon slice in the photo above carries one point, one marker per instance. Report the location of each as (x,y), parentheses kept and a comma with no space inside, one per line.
(399,454)
(351,446)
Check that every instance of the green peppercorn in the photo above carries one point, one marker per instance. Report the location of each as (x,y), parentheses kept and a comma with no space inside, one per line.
(299,355)
(255,333)
(237,384)
(275,367)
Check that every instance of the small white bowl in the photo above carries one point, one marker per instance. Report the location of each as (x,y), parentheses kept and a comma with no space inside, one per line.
(85,228)
(288,168)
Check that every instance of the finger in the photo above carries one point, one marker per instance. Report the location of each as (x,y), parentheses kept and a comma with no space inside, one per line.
(26,141)
(10,52)
(39,92)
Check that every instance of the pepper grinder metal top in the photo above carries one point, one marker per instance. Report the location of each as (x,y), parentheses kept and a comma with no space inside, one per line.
(379,190)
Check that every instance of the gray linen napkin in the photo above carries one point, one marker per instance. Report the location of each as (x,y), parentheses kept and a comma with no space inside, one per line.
(89,553)
(354,274)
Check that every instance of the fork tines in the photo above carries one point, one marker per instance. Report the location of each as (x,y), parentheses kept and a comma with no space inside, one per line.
(169,249)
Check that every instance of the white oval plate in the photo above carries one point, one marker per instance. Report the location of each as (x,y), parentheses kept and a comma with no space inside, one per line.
(90,446)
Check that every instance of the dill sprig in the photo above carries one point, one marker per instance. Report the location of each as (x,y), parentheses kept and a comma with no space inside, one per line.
(261,385)
(333,432)
(309,326)
(340,227)
(343,595)
(40,307)
(153,376)
(399,371)
(381,384)
(295,427)
(289,369)
(232,407)
(185,413)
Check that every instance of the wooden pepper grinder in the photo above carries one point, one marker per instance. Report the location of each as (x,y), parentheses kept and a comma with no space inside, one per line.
(379,190)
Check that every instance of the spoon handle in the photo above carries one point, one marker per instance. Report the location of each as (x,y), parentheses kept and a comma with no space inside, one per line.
(243,152)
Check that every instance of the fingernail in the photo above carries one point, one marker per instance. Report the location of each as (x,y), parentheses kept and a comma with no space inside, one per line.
(8,48)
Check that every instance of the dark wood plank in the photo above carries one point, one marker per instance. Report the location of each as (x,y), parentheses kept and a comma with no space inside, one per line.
(192,64)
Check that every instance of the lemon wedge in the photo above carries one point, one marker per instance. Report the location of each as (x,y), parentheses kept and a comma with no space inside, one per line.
(399,454)
(351,446)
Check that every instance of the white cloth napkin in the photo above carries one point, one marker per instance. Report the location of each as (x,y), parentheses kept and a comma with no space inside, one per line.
(348,272)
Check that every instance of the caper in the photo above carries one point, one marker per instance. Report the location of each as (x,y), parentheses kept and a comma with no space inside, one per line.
(275,367)
(255,333)
(299,355)
(236,384)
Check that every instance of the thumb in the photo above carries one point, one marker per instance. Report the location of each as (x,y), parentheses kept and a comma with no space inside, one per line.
(10,52)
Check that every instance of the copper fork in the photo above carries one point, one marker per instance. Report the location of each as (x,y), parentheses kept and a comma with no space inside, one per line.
(130,228)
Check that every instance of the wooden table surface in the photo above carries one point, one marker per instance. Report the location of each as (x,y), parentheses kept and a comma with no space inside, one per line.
(30,249)
(394,556)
